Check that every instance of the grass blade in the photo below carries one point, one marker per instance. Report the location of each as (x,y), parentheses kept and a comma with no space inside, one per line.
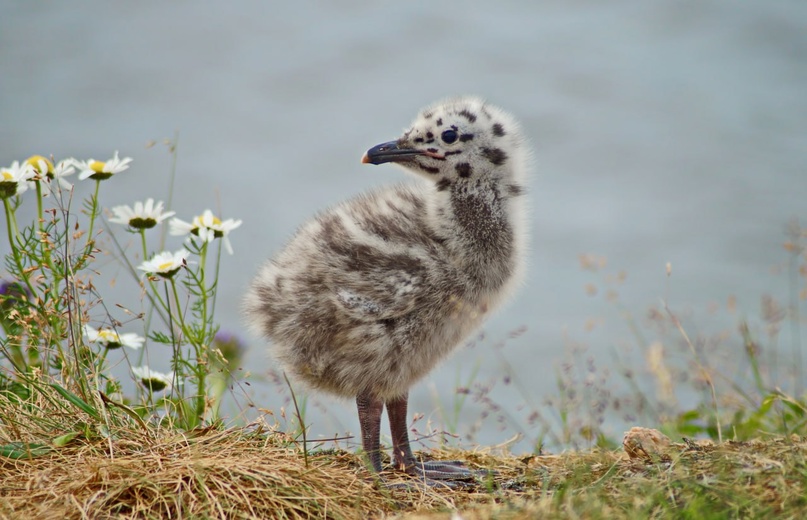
(76,401)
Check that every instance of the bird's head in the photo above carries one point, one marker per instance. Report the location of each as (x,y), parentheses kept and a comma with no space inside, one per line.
(458,140)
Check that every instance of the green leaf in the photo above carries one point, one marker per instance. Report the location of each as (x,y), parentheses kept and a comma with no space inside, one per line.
(23,450)
(63,440)
(690,415)
(690,430)
(159,337)
(797,407)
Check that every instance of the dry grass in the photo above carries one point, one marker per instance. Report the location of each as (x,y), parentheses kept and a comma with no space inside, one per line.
(230,474)
(241,474)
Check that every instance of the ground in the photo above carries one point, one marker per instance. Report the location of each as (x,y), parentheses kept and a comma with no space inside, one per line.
(241,473)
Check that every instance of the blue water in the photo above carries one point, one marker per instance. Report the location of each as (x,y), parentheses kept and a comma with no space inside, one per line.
(663,132)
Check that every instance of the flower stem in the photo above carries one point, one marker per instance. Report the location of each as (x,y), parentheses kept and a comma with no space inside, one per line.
(46,245)
(215,285)
(93,215)
(143,242)
(203,287)
(11,228)
(176,360)
(199,368)
(39,204)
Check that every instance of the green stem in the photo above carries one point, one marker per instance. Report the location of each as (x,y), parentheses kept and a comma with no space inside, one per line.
(42,233)
(179,317)
(165,305)
(143,243)
(55,320)
(177,357)
(93,215)
(202,368)
(11,227)
(203,286)
(199,369)
(215,284)
(39,204)
(99,364)
(151,285)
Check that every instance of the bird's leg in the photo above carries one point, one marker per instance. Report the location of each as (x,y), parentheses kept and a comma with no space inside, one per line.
(370,409)
(404,459)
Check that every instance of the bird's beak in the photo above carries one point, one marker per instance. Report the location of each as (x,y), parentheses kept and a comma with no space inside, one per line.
(389,152)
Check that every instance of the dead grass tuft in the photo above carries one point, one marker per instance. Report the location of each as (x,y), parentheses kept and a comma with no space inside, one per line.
(229,474)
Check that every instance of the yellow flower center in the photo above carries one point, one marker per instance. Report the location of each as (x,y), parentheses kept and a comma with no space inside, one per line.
(108,335)
(7,176)
(216,221)
(165,266)
(97,166)
(35,160)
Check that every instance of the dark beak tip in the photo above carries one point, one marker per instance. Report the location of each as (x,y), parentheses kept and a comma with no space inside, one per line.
(388,152)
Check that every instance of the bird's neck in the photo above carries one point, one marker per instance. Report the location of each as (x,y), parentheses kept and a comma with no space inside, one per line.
(476,220)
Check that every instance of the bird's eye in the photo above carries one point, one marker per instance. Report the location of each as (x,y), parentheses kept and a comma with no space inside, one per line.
(449,136)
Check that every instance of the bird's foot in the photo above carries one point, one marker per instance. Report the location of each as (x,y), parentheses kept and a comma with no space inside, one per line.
(452,474)
(442,470)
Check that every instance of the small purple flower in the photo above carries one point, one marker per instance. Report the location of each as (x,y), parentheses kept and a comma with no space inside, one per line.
(231,347)
(12,294)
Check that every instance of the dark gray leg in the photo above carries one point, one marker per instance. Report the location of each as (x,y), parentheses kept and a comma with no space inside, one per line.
(403,458)
(370,410)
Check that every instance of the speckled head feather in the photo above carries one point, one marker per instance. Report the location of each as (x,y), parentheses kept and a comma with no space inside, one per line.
(465,138)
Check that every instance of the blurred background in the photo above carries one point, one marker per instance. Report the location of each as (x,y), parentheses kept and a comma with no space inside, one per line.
(664,132)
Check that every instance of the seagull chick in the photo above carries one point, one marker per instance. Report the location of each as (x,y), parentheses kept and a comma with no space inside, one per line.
(372,293)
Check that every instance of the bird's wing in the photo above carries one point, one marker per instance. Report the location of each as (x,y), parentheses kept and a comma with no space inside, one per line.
(375,258)
(379,294)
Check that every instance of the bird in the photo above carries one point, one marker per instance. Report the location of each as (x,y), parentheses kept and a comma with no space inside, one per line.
(371,294)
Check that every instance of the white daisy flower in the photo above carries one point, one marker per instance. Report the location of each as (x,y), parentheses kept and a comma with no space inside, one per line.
(142,216)
(207,227)
(14,179)
(151,379)
(62,169)
(100,170)
(165,264)
(46,169)
(40,164)
(112,340)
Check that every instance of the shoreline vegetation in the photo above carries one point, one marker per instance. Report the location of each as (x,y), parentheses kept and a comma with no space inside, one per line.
(92,427)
